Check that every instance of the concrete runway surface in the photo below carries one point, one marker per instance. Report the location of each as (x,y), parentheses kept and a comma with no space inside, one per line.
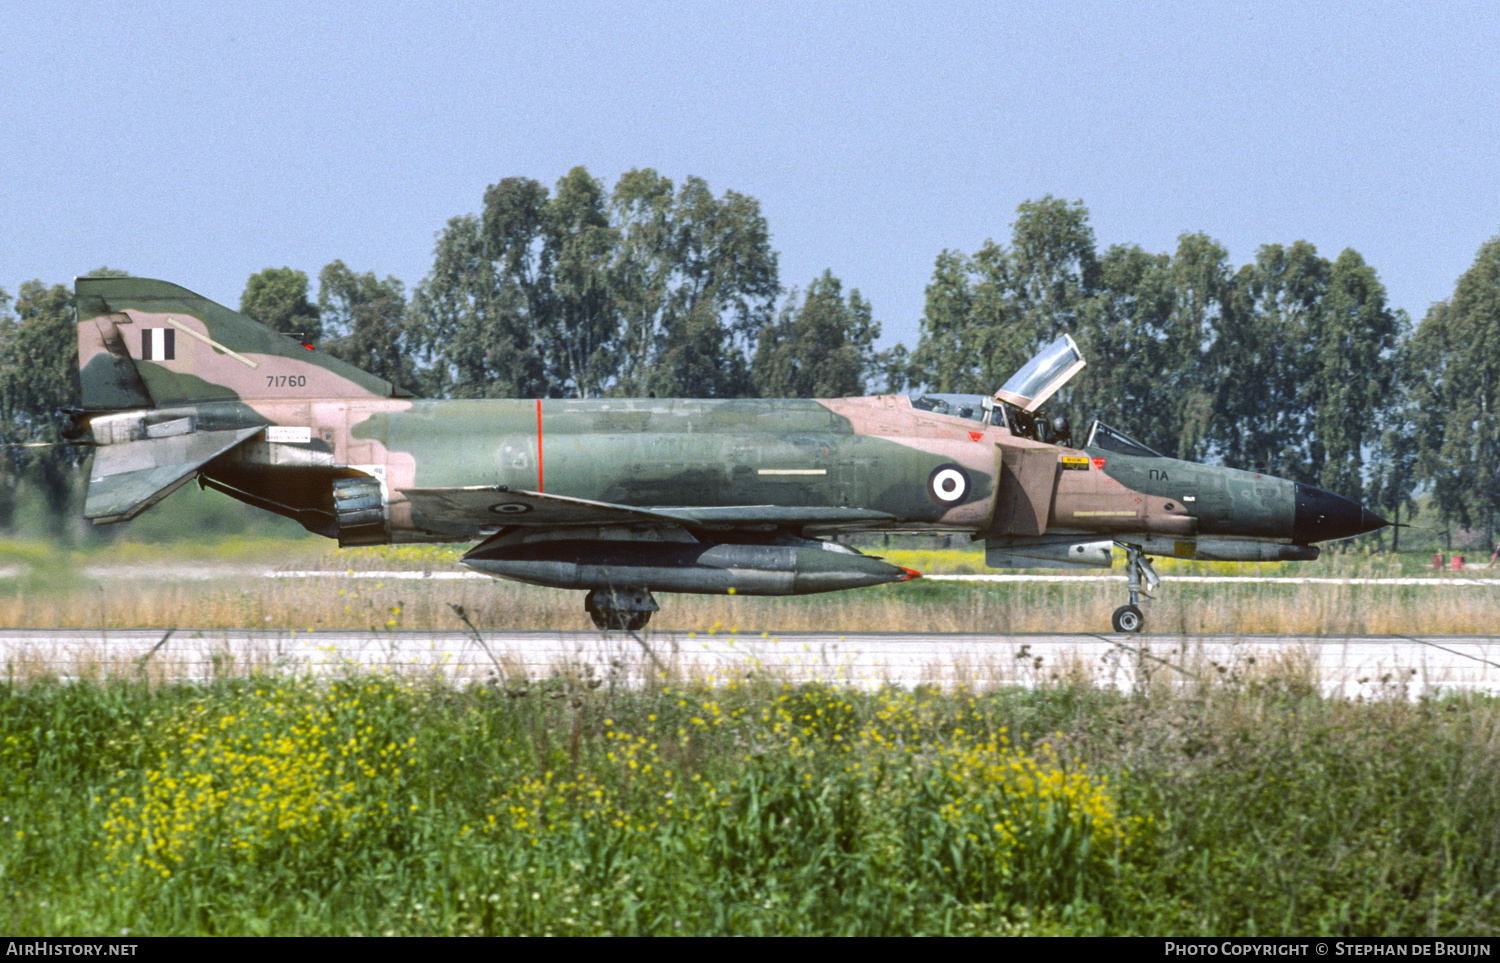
(1359,666)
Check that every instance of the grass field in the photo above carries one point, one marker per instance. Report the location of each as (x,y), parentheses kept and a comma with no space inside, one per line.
(375,805)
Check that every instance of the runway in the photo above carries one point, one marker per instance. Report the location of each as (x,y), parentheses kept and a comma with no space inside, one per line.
(1354,667)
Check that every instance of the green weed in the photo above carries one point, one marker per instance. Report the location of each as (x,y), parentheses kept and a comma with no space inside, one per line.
(377,805)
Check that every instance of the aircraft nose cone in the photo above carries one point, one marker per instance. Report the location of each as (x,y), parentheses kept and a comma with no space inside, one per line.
(1322,516)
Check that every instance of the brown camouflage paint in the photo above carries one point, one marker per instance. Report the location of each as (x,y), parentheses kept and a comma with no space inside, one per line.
(281,425)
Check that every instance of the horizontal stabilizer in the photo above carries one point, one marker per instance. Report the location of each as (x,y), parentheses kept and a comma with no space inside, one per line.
(129,478)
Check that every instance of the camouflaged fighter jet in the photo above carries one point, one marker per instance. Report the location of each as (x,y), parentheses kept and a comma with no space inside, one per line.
(622,497)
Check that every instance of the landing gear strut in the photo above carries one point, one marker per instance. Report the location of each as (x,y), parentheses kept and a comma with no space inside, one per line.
(628,609)
(1138,570)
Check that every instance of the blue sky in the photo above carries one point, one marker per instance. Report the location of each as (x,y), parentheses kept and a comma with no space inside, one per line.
(201,143)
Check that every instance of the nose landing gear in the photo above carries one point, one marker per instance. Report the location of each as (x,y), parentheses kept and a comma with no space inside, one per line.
(1141,580)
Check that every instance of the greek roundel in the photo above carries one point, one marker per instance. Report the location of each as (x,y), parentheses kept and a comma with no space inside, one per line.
(948,484)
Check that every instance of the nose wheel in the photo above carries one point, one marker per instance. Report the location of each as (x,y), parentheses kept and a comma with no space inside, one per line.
(1141,580)
(1128,618)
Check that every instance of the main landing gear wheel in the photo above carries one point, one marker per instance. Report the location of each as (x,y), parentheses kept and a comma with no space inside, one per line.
(620,609)
(1128,618)
(611,620)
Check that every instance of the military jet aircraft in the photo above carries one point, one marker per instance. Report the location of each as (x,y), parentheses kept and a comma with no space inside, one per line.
(623,497)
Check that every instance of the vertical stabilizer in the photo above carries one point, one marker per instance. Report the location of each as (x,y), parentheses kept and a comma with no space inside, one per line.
(145,343)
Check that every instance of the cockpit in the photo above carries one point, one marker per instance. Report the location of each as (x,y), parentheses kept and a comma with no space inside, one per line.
(1112,439)
(987,411)
(1015,405)
(969,407)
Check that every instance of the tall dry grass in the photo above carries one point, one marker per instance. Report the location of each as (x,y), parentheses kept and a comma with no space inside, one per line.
(136,590)
(249,601)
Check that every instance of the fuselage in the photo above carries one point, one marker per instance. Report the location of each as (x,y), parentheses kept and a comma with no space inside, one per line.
(904,468)
(620,496)
(876,455)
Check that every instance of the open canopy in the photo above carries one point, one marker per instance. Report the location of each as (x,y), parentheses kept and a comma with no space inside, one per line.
(1041,377)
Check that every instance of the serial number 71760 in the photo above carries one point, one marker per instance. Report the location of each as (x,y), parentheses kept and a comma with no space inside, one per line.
(286,381)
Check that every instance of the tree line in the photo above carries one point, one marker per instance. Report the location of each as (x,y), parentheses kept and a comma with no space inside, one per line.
(650,288)
(1293,364)
(1284,365)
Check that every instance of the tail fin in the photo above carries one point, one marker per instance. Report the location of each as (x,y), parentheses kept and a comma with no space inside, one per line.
(145,344)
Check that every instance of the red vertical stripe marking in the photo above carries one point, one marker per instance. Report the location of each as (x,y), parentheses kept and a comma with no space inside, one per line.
(539,485)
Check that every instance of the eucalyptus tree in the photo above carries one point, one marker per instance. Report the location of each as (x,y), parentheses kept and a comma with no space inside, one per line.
(822,345)
(1475,425)
(1395,456)
(38,379)
(472,322)
(1148,328)
(1458,347)
(1053,268)
(1025,295)
(695,282)
(278,298)
(987,314)
(1124,333)
(365,324)
(1440,455)
(951,345)
(515,305)
(575,293)
(1263,362)
(582,327)
(1205,302)
(645,272)
(1352,351)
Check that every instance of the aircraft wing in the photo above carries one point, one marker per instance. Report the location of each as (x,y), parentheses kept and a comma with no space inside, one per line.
(485,506)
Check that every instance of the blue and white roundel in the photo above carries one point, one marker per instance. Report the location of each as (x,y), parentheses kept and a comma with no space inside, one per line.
(948,484)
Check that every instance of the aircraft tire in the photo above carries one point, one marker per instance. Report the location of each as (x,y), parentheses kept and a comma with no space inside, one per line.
(1128,618)
(611,619)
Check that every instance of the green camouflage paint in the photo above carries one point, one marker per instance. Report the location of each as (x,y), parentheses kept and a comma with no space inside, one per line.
(620,496)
